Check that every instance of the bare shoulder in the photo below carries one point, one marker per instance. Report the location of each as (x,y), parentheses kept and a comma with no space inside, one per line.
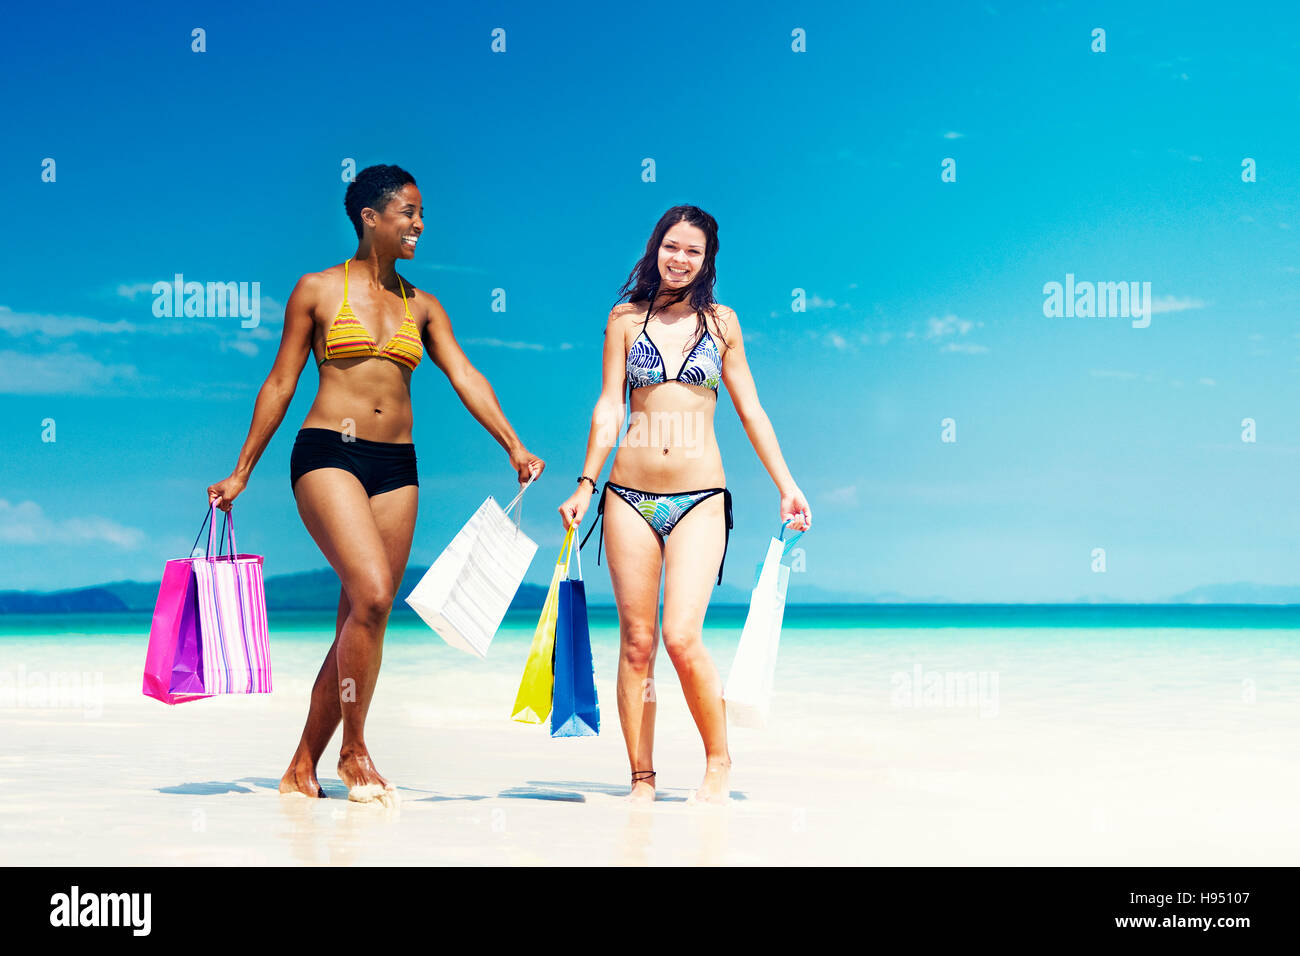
(311,289)
(725,324)
(624,311)
(319,285)
(326,277)
(623,317)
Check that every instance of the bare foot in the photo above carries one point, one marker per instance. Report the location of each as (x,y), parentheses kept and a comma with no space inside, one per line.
(717,774)
(363,781)
(300,778)
(643,787)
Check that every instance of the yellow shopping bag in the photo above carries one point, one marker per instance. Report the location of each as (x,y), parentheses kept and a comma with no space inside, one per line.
(533,703)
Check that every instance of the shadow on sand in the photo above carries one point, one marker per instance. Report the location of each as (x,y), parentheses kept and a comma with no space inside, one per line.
(333,787)
(573,791)
(563,791)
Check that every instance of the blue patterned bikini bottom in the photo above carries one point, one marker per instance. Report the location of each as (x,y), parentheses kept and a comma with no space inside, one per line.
(663,511)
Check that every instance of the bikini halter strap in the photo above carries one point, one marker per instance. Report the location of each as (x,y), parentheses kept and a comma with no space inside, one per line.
(402,284)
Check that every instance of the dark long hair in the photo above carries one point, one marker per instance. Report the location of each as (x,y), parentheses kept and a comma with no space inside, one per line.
(643,284)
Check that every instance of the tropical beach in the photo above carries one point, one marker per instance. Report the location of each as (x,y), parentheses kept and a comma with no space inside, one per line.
(899,736)
(1008,295)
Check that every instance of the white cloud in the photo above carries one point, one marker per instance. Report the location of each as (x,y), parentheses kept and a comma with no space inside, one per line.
(59,326)
(953,134)
(848,495)
(444,267)
(67,326)
(59,373)
(503,344)
(272,308)
(134,290)
(27,523)
(1150,377)
(948,325)
(1169,303)
(941,330)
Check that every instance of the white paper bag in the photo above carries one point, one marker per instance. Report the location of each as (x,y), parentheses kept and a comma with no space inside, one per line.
(466,592)
(749,687)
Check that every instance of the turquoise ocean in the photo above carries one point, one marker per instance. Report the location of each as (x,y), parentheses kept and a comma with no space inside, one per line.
(860,656)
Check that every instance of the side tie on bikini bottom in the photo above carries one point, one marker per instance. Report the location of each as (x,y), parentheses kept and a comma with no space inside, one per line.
(669,509)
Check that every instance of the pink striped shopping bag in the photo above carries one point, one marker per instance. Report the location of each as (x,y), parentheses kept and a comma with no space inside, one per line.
(232,619)
(228,632)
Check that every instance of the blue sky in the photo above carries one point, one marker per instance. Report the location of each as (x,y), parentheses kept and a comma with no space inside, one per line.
(823,170)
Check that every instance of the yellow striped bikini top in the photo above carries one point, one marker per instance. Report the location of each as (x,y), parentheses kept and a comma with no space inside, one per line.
(348,338)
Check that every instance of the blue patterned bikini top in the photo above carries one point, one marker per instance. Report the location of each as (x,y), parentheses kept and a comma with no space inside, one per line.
(645,363)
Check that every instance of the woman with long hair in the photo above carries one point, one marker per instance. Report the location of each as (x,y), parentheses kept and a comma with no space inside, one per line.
(675,517)
(353,468)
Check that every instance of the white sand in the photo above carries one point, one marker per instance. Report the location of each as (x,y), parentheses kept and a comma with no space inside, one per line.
(844,777)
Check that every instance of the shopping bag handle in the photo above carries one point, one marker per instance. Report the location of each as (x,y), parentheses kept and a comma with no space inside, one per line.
(789,542)
(228,519)
(519,500)
(210,516)
(574,552)
(566,550)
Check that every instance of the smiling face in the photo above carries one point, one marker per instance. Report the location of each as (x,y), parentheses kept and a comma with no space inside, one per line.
(398,227)
(681,255)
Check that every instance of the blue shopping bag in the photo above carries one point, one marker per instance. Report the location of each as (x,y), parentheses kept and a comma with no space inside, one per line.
(575,712)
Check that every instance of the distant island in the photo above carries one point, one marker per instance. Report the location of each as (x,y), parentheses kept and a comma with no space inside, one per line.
(307,590)
(319,591)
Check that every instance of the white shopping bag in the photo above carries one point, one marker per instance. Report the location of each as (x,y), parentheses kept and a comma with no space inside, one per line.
(465,594)
(749,687)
